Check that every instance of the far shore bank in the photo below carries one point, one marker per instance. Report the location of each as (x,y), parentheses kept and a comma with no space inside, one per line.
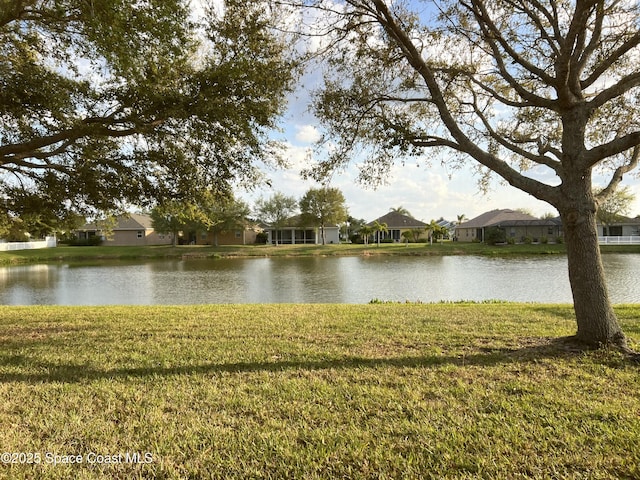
(109,253)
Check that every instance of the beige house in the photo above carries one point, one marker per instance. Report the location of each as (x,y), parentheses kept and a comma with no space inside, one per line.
(239,236)
(130,230)
(516,225)
(397,224)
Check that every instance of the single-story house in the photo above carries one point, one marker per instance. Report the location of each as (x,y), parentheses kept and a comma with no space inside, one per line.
(242,235)
(623,227)
(294,231)
(132,229)
(516,225)
(398,223)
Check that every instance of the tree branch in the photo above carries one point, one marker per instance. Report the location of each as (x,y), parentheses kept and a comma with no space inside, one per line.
(612,148)
(538,23)
(593,45)
(619,174)
(606,64)
(512,144)
(515,178)
(567,82)
(91,127)
(493,34)
(501,98)
(619,88)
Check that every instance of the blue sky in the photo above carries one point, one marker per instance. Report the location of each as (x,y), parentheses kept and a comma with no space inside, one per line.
(427,192)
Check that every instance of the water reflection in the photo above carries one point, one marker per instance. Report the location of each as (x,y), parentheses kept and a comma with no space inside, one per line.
(309,280)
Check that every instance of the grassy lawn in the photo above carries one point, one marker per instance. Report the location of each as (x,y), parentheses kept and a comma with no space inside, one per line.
(64,253)
(315,391)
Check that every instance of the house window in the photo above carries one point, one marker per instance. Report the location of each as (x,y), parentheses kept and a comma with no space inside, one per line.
(140,234)
(238,233)
(615,231)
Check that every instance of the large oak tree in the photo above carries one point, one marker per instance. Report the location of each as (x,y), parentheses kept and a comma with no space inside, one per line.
(542,93)
(115,101)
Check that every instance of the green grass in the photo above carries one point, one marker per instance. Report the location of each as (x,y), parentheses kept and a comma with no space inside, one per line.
(65,253)
(317,391)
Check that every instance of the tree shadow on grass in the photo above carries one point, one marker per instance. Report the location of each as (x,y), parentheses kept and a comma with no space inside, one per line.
(528,351)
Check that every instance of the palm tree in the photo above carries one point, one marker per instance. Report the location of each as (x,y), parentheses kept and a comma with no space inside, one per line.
(401,210)
(436,230)
(366,231)
(379,228)
(408,236)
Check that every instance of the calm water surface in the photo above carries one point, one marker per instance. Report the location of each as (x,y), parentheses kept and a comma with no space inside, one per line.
(309,280)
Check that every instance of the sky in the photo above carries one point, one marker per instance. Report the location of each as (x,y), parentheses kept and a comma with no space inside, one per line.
(427,192)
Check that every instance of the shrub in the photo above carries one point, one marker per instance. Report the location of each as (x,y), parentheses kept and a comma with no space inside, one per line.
(93,241)
(495,235)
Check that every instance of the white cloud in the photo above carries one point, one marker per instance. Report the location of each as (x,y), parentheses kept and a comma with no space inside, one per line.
(297,157)
(307,134)
(427,192)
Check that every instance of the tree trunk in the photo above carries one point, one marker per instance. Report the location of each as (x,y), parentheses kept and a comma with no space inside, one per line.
(597,322)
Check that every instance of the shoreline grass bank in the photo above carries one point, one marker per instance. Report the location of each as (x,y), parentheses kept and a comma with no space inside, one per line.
(314,391)
(108,253)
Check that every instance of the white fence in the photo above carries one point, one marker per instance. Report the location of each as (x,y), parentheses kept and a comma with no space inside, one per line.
(626,240)
(49,242)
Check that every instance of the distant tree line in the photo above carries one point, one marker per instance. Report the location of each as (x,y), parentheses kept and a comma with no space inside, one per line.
(222,213)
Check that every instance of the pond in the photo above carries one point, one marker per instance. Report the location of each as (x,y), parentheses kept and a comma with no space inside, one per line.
(309,280)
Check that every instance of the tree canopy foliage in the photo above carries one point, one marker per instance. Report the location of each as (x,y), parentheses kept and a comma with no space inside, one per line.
(209,212)
(223,215)
(323,206)
(543,94)
(276,210)
(615,206)
(175,216)
(103,103)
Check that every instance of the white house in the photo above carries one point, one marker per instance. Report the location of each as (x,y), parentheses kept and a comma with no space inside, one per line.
(294,232)
(624,230)
(623,227)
